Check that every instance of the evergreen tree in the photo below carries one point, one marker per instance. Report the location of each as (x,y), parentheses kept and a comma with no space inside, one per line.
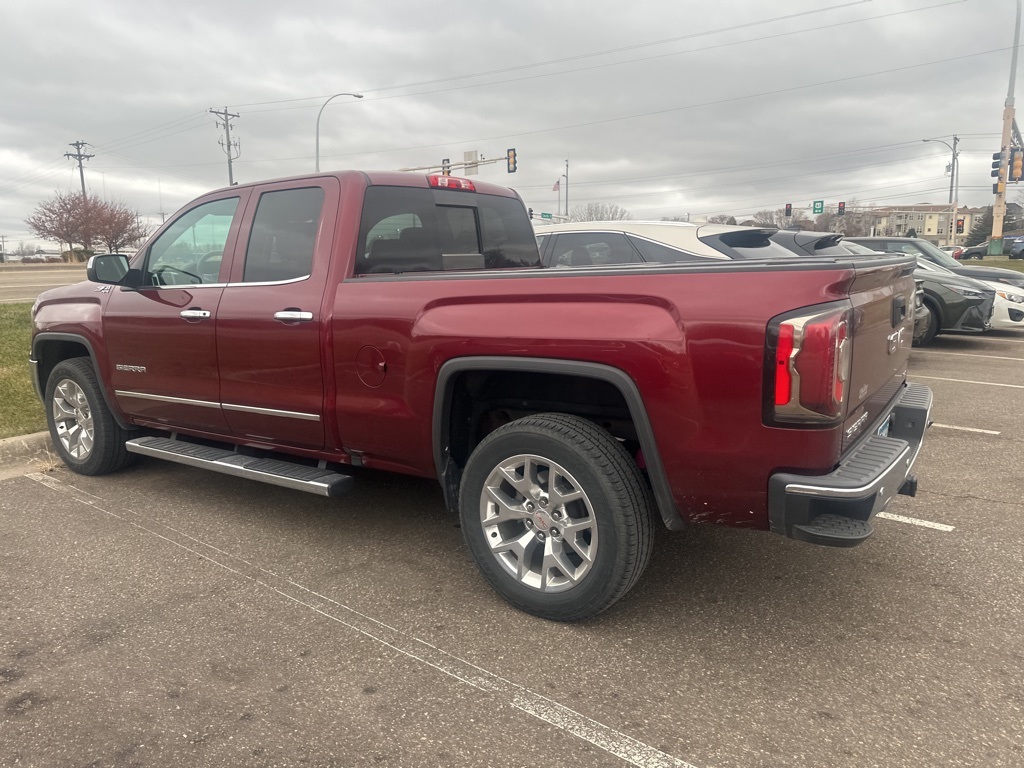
(982,229)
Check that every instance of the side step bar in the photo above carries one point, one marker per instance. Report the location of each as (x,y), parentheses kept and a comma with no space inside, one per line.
(322,482)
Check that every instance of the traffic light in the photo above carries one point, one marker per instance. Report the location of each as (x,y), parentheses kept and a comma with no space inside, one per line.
(998,168)
(1016,170)
(789,209)
(959,226)
(842,210)
(446,167)
(510,155)
(530,212)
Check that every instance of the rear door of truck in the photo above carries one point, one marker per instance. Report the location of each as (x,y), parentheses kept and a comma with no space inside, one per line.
(269,326)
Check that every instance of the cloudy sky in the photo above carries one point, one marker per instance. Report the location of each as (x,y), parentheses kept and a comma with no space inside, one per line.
(692,107)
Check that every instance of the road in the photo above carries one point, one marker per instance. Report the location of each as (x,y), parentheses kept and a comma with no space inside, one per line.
(166,616)
(24,282)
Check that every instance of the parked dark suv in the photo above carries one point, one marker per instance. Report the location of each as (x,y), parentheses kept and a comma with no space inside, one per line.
(956,303)
(925,249)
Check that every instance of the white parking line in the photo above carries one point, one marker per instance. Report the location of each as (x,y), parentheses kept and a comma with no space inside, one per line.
(914,521)
(966,429)
(968,381)
(506,692)
(970,354)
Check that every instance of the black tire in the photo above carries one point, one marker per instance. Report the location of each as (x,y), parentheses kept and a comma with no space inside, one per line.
(609,511)
(82,428)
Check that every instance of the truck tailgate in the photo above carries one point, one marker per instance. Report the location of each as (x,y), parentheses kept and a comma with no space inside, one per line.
(883,328)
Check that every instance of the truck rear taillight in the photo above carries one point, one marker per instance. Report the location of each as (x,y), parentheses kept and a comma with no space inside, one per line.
(809,366)
(451,182)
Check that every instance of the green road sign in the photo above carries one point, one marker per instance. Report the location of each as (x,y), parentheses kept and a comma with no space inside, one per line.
(545,215)
(819,206)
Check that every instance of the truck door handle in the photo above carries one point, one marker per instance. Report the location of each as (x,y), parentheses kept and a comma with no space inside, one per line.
(293,316)
(195,314)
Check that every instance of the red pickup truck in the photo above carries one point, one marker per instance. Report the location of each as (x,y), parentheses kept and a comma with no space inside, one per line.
(287,331)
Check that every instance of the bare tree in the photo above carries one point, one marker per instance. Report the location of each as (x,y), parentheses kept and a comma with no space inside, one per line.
(71,219)
(117,226)
(63,219)
(598,212)
(778,218)
(721,219)
(855,222)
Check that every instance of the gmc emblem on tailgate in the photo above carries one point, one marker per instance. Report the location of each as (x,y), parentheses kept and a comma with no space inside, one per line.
(895,340)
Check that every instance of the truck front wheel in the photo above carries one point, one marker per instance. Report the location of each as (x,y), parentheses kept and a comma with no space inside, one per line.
(82,428)
(556,515)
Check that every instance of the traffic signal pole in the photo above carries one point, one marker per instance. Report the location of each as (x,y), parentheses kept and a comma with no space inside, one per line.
(995,243)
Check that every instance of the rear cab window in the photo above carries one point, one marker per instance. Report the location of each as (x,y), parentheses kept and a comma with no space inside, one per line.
(408,229)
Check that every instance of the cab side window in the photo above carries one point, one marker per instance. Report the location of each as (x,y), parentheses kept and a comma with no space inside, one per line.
(283,235)
(189,252)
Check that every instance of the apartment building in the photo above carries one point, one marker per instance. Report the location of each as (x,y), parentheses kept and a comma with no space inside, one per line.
(932,222)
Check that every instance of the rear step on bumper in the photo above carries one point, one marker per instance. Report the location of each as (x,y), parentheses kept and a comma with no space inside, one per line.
(836,509)
(322,482)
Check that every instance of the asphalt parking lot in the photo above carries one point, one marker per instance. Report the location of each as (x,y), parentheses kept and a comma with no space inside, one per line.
(167,616)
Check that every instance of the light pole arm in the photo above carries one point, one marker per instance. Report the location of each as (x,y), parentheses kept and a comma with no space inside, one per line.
(318,114)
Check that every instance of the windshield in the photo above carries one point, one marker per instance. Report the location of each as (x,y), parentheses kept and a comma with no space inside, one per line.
(938,255)
(858,248)
(931,266)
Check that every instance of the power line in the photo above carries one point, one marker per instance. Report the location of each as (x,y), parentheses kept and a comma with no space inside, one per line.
(610,51)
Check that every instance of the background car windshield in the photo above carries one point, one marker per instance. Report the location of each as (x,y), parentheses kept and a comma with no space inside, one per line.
(858,248)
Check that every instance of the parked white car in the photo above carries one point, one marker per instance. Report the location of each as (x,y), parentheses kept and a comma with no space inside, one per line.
(1008,310)
(605,243)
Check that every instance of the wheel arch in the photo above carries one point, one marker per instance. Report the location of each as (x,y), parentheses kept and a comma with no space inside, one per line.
(449,408)
(935,305)
(49,349)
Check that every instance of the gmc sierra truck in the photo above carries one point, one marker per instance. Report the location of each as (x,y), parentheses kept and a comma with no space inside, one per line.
(290,330)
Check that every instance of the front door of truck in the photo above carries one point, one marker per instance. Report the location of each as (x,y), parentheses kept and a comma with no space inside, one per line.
(161,336)
(269,323)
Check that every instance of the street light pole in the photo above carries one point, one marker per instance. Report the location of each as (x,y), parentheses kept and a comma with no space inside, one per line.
(954,185)
(354,95)
(995,242)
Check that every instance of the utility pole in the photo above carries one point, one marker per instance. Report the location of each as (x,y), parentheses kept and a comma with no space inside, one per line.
(954,185)
(995,243)
(79,156)
(230,149)
(567,189)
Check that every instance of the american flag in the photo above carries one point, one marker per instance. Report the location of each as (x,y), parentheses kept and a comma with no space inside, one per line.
(558,186)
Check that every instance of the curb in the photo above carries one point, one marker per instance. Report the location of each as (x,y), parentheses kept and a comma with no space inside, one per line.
(17,452)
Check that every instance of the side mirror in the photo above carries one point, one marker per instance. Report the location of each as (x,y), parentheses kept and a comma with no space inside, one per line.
(109,268)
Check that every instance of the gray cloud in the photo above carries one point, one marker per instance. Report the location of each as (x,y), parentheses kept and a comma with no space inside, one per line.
(734,114)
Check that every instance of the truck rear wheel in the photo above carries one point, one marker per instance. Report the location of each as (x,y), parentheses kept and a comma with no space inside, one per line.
(82,428)
(556,515)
